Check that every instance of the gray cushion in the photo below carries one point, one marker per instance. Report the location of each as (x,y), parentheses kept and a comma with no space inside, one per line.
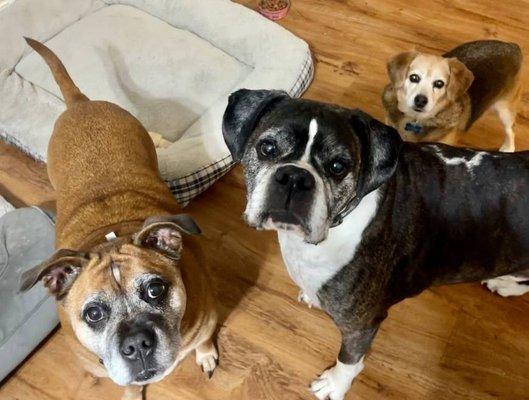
(27,237)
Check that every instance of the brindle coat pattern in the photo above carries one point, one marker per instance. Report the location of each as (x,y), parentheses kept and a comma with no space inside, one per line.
(444,214)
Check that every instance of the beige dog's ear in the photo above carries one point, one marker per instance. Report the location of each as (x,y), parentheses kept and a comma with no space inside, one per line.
(460,79)
(164,233)
(398,67)
(58,273)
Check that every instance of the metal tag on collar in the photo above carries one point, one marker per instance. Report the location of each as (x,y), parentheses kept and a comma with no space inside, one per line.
(110,236)
(413,127)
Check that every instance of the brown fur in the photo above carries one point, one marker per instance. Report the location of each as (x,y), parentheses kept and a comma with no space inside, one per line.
(103,166)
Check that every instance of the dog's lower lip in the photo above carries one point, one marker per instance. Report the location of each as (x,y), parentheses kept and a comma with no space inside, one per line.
(418,109)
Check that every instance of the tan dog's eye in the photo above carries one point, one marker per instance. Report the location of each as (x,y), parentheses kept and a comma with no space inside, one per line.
(94,313)
(415,78)
(155,289)
(438,84)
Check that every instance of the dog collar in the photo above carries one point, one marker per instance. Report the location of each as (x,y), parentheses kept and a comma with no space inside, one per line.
(413,127)
(346,210)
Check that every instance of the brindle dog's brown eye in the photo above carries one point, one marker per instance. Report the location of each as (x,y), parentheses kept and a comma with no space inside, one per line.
(337,167)
(268,148)
(155,289)
(438,84)
(415,78)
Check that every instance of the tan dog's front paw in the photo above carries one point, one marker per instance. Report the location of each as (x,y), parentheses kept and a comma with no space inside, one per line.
(133,392)
(207,357)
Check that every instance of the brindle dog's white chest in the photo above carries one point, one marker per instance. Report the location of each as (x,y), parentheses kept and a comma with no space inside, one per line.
(310,266)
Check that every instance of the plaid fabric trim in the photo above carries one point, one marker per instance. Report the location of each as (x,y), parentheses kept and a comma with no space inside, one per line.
(190,186)
(187,187)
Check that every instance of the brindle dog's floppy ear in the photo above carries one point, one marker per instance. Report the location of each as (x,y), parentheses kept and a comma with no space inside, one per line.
(380,147)
(397,67)
(460,78)
(164,233)
(245,109)
(58,273)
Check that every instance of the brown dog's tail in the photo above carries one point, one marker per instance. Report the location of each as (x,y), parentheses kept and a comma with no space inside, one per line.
(70,92)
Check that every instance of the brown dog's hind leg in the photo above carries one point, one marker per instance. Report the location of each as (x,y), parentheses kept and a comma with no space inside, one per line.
(507,117)
(507,108)
(207,357)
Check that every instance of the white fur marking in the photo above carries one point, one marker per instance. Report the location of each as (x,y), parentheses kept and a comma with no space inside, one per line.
(116,273)
(310,266)
(334,382)
(313,130)
(507,285)
(469,164)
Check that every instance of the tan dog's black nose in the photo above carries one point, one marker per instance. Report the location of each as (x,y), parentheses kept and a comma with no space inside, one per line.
(138,344)
(420,101)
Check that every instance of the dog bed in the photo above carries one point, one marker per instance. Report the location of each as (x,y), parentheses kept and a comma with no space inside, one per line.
(172,63)
(26,239)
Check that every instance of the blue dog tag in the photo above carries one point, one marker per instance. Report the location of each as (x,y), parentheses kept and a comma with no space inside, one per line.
(413,127)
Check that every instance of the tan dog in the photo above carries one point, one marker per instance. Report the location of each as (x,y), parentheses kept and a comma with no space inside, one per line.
(433,97)
(131,285)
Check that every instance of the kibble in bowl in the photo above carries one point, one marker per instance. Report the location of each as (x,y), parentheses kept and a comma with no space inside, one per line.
(274,9)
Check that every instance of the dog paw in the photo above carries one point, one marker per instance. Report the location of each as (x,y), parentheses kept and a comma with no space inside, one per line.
(303,298)
(207,358)
(335,382)
(507,148)
(507,285)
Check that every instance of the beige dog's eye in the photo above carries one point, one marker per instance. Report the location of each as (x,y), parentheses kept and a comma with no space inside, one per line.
(438,84)
(415,78)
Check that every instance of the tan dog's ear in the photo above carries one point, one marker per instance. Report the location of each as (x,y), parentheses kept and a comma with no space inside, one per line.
(460,79)
(58,273)
(164,233)
(398,67)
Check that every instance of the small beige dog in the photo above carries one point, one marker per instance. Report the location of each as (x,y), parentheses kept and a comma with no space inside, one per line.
(432,98)
(132,289)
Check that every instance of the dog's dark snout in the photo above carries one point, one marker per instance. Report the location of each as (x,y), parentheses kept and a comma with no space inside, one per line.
(420,100)
(299,178)
(138,343)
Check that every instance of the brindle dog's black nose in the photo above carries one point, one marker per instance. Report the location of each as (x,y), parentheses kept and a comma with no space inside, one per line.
(138,343)
(420,101)
(299,178)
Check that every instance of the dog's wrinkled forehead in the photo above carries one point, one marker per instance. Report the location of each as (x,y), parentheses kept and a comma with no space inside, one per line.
(304,126)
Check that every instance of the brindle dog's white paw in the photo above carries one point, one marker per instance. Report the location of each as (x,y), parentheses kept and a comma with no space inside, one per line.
(207,358)
(507,285)
(303,298)
(335,382)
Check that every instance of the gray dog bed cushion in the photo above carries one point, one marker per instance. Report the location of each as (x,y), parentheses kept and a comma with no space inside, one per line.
(172,63)
(26,239)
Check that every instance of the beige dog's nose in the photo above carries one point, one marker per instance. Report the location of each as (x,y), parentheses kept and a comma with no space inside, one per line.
(420,100)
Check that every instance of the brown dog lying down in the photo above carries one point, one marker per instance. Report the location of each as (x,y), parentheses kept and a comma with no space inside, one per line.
(434,97)
(131,286)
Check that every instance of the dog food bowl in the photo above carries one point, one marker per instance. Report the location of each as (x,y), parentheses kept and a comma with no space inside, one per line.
(274,9)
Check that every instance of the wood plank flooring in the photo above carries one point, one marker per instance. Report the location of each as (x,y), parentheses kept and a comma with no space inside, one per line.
(457,343)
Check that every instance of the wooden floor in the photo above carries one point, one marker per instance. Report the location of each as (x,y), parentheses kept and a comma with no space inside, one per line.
(458,342)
